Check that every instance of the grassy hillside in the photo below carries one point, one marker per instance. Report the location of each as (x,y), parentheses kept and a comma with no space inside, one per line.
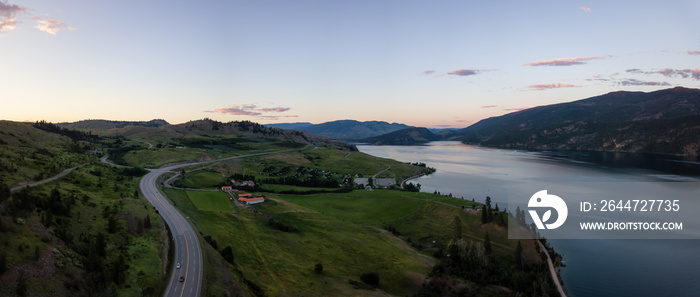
(323,164)
(661,122)
(347,234)
(29,154)
(88,234)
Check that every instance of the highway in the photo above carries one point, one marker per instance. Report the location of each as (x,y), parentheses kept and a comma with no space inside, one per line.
(187,250)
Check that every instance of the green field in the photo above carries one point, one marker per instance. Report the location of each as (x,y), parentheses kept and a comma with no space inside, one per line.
(200,179)
(345,233)
(210,201)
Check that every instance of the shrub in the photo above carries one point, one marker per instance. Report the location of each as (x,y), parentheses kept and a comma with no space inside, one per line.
(318,268)
(370,278)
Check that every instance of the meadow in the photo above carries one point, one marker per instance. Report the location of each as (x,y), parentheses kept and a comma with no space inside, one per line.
(346,233)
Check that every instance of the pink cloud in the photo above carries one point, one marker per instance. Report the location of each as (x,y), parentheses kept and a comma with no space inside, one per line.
(464,72)
(563,61)
(694,52)
(550,86)
(252,110)
(428,72)
(488,106)
(8,16)
(52,26)
(585,9)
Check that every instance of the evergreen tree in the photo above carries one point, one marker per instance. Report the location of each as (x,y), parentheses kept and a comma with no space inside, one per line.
(487,244)
(3,263)
(484,218)
(519,255)
(147,222)
(458,227)
(4,191)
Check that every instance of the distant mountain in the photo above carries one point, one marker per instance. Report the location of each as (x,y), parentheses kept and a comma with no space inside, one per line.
(442,130)
(292,126)
(208,127)
(353,130)
(105,124)
(408,136)
(662,122)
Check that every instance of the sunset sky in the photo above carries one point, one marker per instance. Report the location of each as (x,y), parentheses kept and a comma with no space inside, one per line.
(422,63)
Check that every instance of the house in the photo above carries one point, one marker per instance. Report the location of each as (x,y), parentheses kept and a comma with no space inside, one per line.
(227,188)
(384,182)
(233,181)
(249,183)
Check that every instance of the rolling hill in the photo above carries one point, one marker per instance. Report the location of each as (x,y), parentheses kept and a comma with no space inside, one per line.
(106,124)
(408,136)
(350,130)
(661,122)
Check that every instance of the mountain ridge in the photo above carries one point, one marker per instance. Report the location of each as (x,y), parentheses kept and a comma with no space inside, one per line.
(660,122)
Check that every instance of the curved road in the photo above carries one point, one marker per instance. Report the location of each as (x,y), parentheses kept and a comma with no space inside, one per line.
(187,250)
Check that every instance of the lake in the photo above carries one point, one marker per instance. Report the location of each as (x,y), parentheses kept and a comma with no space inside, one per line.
(594,267)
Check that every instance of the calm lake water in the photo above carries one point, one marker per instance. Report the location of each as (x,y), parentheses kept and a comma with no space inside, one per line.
(595,267)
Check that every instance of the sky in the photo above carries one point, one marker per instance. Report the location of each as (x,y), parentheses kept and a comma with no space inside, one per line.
(422,63)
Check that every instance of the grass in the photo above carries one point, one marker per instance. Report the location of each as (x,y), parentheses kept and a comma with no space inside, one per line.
(282,263)
(95,187)
(345,233)
(200,179)
(210,201)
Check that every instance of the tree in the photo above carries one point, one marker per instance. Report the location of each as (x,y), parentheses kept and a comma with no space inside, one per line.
(489,210)
(227,253)
(458,227)
(3,263)
(112,224)
(484,217)
(370,278)
(318,268)
(519,255)
(136,194)
(4,191)
(21,285)
(487,244)
(119,268)
(147,222)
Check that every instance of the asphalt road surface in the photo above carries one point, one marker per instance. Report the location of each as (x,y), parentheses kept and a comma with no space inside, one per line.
(187,250)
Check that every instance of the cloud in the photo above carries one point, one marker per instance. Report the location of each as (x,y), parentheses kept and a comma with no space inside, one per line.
(634,70)
(550,86)
(252,110)
(669,72)
(636,82)
(428,72)
(464,72)
(488,106)
(563,61)
(52,26)
(8,15)
(693,52)
(274,109)
(586,9)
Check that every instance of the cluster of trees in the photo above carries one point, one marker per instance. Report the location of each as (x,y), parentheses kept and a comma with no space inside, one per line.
(72,134)
(411,187)
(470,260)
(492,215)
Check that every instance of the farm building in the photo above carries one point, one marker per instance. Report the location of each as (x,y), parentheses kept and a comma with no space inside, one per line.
(253,200)
(227,188)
